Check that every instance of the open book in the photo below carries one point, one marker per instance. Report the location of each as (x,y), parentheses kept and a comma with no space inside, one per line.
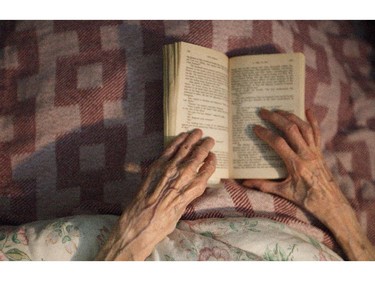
(205,89)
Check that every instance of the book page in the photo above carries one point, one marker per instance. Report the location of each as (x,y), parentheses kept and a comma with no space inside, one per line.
(203,100)
(268,81)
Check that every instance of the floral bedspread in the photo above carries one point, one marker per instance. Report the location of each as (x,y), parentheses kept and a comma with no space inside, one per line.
(80,238)
(239,239)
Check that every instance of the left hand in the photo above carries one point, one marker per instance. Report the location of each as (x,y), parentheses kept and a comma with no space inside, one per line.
(178,177)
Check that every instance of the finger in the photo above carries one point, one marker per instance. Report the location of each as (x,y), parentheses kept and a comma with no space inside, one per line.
(168,152)
(186,171)
(186,147)
(174,145)
(199,154)
(208,167)
(178,175)
(289,128)
(199,184)
(185,193)
(304,127)
(278,144)
(315,126)
(197,187)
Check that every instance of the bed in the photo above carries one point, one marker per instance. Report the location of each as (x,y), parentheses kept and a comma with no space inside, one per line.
(81,119)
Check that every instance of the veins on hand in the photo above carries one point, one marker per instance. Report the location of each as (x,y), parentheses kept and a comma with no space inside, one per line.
(148,212)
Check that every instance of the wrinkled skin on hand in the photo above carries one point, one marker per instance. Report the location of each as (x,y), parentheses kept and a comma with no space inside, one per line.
(310,183)
(178,177)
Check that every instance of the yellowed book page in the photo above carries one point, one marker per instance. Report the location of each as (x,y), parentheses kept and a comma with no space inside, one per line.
(203,100)
(268,81)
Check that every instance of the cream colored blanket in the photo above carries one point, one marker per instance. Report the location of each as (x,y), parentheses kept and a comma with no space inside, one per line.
(80,237)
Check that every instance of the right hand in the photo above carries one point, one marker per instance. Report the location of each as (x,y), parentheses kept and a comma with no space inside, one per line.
(309,183)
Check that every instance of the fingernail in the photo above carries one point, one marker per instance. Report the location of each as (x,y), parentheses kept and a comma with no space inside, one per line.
(257,128)
(209,138)
(263,111)
(213,159)
(282,112)
(194,131)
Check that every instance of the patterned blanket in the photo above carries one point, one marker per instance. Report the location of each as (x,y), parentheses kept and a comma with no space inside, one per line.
(81,114)
(79,238)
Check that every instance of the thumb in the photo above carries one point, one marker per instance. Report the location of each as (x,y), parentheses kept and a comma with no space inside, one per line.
(266,186)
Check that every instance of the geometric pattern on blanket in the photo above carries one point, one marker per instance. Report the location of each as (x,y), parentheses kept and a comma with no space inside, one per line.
(81,113)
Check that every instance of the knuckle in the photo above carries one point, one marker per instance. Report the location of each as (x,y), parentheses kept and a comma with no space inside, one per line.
(185,147)
(211,166)
(196,191)
(199,191)
(308,155)
(170,149)
(170,170)
(187,179)
(211,169)
(292,128)
(200,153)
(279,142)
(306,129)
(188,171)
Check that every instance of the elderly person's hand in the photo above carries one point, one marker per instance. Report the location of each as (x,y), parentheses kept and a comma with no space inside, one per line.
(178,177)
(310,183)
